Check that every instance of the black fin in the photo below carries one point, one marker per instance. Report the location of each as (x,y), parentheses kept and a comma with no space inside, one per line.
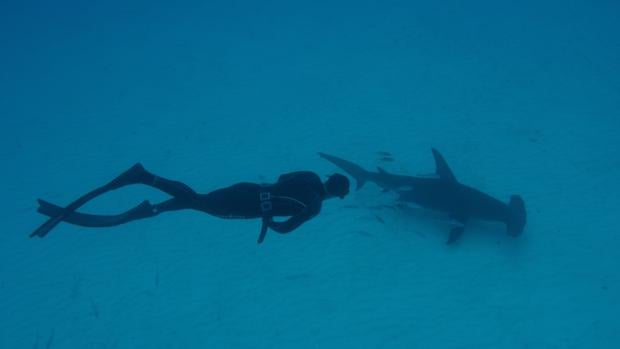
(517,216)
(455,234)
(441,167)
(352,169)
(96,221)
(131,176)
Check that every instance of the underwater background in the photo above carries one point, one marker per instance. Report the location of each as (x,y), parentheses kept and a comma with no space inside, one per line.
(521,97)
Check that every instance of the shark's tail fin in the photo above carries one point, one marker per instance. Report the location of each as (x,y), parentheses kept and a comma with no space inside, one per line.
(516,216)
(352,169)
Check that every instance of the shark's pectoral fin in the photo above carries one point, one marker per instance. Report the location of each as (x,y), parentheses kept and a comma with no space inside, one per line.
(457,231)
(455,234)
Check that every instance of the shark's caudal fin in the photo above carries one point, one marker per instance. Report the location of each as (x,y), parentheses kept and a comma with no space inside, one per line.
(352,169)
(441,167)
(517,216)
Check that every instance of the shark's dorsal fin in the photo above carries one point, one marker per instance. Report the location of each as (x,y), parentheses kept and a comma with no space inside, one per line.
(442,169)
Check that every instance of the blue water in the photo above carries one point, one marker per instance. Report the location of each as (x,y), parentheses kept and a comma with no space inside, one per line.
(520,97)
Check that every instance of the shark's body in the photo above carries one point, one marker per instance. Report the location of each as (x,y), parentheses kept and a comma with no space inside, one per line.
(443,193)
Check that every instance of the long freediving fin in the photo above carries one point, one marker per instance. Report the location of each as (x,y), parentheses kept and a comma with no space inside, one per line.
(128,177)
(46,227)
(145,209)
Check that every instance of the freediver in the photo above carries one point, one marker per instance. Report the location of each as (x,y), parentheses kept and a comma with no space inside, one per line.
(298,195)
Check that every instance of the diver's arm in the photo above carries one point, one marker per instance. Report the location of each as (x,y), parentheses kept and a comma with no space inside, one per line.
(295,221)
(289,225)
(263,229)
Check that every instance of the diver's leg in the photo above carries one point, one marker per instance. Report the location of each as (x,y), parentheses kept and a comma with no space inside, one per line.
(237,201)
(137,174)
(241,200)
(174,188)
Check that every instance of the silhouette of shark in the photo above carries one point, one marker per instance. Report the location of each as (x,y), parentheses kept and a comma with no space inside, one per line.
(442,193)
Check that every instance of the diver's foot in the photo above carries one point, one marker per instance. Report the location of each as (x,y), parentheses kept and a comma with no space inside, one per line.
(144,210)
(134,175)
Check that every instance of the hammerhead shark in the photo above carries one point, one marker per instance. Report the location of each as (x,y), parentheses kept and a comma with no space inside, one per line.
(442,193)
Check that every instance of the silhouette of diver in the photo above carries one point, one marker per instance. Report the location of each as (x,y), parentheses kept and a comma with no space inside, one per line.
(297,194)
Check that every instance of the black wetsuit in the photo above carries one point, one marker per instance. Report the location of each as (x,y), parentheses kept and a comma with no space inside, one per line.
(298,195)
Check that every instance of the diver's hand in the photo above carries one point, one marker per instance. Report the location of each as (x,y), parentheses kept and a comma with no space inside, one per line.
(263,230)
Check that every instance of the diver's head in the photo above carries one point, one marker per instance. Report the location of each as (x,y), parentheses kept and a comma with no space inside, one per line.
(337,185)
